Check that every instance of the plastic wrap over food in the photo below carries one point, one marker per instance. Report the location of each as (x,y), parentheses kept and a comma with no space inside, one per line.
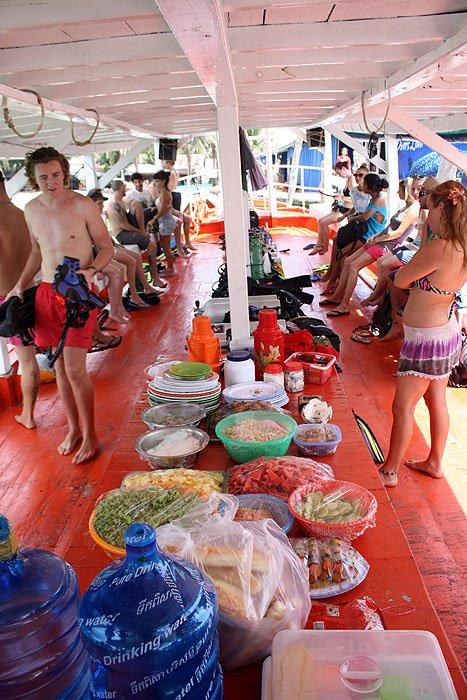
(262,586)
(334,508)
(277,476)
(334,566)
(202,483)
(118,509)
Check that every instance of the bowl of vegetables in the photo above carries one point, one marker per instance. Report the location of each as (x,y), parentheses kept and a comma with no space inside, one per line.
(173,415)
(116,510)
(333,509)
(171,448)
(253,434)
(259,506)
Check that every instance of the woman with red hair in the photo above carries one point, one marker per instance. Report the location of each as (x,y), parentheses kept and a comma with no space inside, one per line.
(432,337)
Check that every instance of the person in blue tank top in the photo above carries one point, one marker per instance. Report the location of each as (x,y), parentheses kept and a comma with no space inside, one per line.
(360,228)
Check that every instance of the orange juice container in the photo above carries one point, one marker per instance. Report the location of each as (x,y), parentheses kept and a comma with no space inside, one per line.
(203,345)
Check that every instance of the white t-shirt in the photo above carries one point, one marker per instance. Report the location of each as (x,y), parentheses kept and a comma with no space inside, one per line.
(360,200)
(144,197)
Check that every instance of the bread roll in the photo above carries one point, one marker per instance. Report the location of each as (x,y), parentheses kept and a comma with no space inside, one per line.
(234,578)
(225,556)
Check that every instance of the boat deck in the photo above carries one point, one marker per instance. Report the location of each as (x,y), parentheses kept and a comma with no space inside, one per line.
(416,551)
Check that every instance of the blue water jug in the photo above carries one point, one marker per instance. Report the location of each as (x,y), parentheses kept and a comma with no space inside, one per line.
(149,623)
(41,653)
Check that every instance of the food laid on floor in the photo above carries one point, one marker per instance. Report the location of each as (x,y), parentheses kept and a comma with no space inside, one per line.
(318,439)
(173,415)
(256,433)
(255,430)
(203,483)
(171,448)
(117,509)
(277,476)
(334,509)
(334,566)
(260,506)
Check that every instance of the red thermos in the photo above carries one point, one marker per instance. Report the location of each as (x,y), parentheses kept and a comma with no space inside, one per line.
(269,341)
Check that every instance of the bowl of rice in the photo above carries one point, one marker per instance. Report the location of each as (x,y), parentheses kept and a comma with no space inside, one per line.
(171,448)
(253,434)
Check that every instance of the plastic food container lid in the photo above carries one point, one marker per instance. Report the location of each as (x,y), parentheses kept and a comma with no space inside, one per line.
(273,369)
(238,355)
(362,675)
(293,366)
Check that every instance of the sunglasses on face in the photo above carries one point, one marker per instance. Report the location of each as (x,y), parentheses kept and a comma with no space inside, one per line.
(359,175)
(423,193)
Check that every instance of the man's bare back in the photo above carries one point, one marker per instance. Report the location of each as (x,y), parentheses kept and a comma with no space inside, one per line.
(61,229)
(15,245)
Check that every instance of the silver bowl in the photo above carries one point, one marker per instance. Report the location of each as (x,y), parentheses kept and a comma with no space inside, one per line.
(152,437)
(173,415)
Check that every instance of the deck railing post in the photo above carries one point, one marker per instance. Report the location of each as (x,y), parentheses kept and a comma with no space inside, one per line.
(326,180)
(236,231)
(270,173)
(392,160)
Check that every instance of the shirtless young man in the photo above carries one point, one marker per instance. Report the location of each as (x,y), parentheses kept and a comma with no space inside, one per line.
(15,246)
(63,222)
(127,234)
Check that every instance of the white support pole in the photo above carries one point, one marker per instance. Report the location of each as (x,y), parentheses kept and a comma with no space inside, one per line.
(340,134)
(236,232)
(5,364)
(326,181)
(420,132)
(90,175)
(293,172)
(392,160)
(157,160)
(122,163)
(270,173)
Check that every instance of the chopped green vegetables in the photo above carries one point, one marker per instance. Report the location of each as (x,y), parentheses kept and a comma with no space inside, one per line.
(121,507)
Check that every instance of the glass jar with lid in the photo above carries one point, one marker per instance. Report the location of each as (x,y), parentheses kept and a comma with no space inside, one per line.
(273,373)
(294,377)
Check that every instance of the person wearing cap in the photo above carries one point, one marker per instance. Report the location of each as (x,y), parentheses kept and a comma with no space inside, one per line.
(15,246)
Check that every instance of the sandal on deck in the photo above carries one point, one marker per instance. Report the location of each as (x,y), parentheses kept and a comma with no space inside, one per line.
(114,342)
(337,314)
(389,479)
(329,302)
(361,338)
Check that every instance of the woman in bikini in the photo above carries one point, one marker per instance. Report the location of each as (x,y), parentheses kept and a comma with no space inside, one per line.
(165,218)
(432,337)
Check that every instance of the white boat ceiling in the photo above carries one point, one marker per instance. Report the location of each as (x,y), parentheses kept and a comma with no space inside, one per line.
(160,69)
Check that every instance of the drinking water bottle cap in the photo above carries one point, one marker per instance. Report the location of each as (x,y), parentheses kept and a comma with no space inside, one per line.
(8,542)
(139,535)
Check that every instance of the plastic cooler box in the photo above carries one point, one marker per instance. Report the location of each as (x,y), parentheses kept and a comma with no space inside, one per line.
(411,662)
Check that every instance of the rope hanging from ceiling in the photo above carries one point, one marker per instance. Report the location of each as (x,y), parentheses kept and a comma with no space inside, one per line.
(87,141)
(372,146)
(9,121)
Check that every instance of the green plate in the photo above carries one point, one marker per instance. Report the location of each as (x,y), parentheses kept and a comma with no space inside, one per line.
(190,370)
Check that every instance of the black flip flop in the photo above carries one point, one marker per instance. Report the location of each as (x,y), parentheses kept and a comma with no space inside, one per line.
(115,341)
(310,246)
(363,339)
(336,314)
(329,302)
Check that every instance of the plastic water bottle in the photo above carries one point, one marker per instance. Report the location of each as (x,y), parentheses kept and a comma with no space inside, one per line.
(149,623)
(41,653)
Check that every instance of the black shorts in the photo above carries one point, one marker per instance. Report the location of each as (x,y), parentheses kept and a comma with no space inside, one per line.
(133,238)
(340,208)
(177,201)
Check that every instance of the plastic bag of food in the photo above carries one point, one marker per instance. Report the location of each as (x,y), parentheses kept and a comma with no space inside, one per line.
(262,586)
(277,476)
(334,566)
(360,614)
(334,509)
(116,510)
(203,483)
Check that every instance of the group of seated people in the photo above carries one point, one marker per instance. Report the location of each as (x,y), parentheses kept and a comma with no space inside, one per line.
(368,237)
(142,220)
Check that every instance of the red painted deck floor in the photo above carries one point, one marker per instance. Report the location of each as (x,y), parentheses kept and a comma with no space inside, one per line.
(49,501)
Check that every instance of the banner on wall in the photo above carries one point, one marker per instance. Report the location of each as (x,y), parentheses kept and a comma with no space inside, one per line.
(417,159)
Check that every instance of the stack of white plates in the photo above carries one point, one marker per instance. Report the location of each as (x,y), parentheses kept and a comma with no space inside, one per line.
(167,388)
(256,391)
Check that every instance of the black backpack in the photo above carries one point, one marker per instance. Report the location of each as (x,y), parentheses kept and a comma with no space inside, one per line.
(382,317)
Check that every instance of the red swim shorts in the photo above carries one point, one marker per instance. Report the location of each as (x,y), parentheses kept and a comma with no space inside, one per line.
(14,340)
(50,317)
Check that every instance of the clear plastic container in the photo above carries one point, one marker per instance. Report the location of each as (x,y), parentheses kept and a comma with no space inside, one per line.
(273,373)
(411,662)
(294,377)
(317,448)
(41,653)
(149,623)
